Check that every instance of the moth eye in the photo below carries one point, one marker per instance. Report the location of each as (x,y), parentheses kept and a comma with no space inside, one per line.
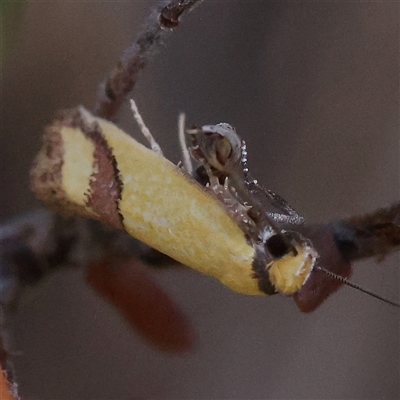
(223,150)
(277,246)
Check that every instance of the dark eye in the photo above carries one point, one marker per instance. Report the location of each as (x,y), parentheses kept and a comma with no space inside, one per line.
(277,246)
(223,150)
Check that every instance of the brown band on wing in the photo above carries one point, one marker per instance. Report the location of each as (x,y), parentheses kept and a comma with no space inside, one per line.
(105,183)
(260,272)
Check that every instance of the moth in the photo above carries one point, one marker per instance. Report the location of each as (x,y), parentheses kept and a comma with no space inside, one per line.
(207,213)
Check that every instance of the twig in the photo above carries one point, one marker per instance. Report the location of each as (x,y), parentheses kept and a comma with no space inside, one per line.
(341,243)
(42,242)
(369,235)
(123,78)
(38,243)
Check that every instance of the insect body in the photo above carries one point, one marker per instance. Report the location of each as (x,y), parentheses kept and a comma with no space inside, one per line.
(90,166)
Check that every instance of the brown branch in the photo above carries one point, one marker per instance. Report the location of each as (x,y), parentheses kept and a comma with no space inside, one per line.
(123,78)
(42,242)
(369,235)
(341,243)
(38,243)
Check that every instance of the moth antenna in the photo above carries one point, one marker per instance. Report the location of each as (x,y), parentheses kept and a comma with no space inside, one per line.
(145,131)
(186,159)
(355,286)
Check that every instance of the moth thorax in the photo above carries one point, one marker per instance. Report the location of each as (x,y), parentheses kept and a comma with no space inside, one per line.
(289,273)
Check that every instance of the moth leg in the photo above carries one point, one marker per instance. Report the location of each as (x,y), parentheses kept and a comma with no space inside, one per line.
(286,219)
(288,215)
(292,215)
(145,131)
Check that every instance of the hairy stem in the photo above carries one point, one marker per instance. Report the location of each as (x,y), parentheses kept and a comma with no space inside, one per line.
(124,76)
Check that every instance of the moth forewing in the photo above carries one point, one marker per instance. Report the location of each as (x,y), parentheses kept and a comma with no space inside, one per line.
(166,209)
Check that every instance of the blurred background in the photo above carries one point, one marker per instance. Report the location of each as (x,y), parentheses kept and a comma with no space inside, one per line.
(314,89)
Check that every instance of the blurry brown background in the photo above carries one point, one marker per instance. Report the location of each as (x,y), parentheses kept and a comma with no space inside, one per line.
(314,89)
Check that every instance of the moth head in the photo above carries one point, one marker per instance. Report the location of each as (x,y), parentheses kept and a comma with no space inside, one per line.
(218,145)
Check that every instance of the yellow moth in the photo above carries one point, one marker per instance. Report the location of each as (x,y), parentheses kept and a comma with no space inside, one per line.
(89,166)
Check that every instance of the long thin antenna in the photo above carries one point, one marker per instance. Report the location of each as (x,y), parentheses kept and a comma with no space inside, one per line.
(186,160)
(355,286)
